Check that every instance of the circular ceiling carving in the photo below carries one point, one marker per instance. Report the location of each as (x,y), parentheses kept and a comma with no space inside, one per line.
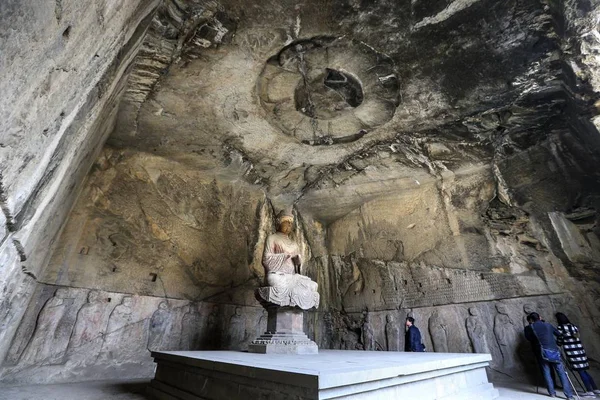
(328,90)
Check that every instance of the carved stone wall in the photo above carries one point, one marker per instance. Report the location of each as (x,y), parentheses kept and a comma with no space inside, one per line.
(486,326)
(440,163)
(151,226)
(64,67)
(72,334)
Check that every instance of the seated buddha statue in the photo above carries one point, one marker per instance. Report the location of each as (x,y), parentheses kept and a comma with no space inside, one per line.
(282,263)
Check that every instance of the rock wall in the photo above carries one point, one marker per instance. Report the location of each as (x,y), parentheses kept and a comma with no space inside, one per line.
(64,67)
(72,334)
(439,158)
(158,256)
(151,226)
(494,327)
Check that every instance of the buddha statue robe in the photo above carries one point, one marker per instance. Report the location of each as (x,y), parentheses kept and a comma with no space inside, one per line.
(285,286)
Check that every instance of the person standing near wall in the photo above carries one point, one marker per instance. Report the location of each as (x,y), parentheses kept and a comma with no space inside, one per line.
(541,335)
(576,356)
(412,338)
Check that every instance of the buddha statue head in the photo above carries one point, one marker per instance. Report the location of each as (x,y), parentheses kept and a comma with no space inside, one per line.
(285,222)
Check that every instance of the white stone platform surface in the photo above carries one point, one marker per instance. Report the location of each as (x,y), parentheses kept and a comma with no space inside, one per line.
(331,374)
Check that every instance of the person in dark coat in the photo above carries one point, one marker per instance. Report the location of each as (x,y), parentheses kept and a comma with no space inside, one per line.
(541,334)
(412,338)
(576,356)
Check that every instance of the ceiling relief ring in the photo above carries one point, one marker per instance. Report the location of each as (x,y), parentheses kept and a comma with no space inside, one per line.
(328,90)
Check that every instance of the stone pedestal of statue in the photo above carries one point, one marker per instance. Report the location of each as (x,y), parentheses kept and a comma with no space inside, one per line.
(285,333)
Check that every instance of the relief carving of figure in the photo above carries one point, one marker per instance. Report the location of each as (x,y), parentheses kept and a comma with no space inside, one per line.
(10,298)
(213,334)
(236,331)
(439,333)
(348,334)
(392,334)
(281,259)
(476,331)
(126,337)
(504,330)
(159,328)
(91,321)
(41,348)
(187,328)
(191,328)
(261,326)
(121,316)
(368,335)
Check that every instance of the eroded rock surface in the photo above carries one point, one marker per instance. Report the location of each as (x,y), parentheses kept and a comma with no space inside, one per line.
(64,68)
(440,158)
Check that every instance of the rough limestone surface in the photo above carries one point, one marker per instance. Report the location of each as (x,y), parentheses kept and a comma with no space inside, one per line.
(440,158)
(64,67)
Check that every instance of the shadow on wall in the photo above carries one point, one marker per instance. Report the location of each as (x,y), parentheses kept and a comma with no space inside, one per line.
(75,334)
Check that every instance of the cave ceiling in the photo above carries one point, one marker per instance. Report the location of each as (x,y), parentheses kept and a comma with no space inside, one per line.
(327,104)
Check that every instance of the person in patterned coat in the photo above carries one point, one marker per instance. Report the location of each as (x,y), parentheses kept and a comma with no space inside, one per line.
(576,356)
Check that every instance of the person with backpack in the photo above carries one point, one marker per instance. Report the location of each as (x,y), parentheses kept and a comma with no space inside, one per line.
(576,357)
(541,335)
(412,338)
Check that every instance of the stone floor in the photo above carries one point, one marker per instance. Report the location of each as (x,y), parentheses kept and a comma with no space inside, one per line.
(99,390)
(134,390)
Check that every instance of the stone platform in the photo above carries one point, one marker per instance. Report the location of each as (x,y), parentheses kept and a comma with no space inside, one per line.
(331,374)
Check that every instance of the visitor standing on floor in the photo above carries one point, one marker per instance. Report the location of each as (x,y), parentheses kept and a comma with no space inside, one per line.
(412,338)
(541,335)
(576,356)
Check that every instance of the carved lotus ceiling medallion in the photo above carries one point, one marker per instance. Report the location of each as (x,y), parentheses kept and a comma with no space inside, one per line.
(328,90)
